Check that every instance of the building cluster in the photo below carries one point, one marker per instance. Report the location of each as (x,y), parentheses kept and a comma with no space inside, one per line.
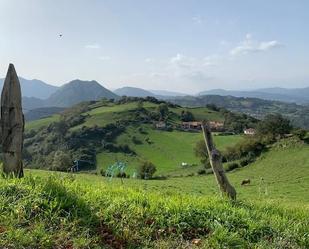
(216,126)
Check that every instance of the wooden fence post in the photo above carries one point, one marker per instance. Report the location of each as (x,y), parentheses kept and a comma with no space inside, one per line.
(216,164)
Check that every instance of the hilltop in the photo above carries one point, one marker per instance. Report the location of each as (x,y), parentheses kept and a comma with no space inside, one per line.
(78,91)
(104,132)
(133,92)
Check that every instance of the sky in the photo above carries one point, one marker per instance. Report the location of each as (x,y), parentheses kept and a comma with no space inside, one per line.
(178,45)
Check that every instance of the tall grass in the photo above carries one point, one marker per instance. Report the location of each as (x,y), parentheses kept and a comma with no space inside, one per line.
(61,212)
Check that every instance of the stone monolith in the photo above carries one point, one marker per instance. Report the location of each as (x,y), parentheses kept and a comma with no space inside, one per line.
(12,125)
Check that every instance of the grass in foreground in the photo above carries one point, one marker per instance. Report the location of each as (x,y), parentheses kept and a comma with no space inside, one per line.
(61,212)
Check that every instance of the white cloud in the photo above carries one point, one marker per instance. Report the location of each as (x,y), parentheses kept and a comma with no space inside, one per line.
(224,43)
(249,46)
(149,60)
(269,45)
(198,20)
(104,58)
(93,46)
(194,68)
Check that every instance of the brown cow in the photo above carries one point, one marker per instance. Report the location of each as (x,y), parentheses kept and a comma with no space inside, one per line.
(245,182)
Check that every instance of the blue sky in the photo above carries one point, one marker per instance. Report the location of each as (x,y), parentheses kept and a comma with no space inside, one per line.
(182,45)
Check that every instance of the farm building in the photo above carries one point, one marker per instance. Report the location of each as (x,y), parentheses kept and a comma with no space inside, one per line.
(249,131)
(194,125)
(216,126)
(160,125)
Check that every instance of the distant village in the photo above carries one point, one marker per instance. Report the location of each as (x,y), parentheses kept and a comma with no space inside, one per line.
(215,126)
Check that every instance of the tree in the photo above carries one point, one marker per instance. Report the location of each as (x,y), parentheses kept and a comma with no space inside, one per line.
(163,111)
(300,133)
(274,124)
(216,164)
(140,105)
(186,116)
(200,150)
(61,161)
(146,170)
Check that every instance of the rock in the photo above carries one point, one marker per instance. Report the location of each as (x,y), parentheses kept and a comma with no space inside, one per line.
(12,125)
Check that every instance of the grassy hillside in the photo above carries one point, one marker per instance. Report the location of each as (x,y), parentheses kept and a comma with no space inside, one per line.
(64,212)
(104,132)
(281,174)
(37,124)
(167,150)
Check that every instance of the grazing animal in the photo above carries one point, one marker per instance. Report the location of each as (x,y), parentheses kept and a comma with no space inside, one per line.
(245,182)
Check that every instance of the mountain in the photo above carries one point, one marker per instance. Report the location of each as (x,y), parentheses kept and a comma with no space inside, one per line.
(30,103)
(258,108)
(296,95)
(167,93)
(133,92)
(139,92)
(34,88)
(42,112)
(77,91)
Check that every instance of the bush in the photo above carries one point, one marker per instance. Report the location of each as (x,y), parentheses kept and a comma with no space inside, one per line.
(61,161)
(200,151)
(300,133)
(201,172)
(275,125)
(251,147)
(146,170)
(135,140)
(232,166)
(244,162)
(186,116)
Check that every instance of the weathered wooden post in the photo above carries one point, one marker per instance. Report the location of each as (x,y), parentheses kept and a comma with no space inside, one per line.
(12,125)
(216,164)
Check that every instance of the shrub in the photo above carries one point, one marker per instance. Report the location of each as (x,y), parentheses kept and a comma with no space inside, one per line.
(232,166)
(251,147)
(146,170)
(61,161)
(201,172)
(300,133)
(274,124)
(200,151)
(135,140)
(186,116)
(244,162)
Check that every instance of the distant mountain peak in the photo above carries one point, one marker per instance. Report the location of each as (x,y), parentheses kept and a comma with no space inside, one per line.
(133,92)
(77,91)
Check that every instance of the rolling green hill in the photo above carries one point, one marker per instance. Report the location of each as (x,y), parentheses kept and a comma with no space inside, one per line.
(105,132)
(167,150)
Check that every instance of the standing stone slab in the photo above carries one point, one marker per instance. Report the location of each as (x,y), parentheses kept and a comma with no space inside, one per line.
(12,125)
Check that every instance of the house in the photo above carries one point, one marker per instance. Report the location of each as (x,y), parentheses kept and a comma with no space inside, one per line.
(216,126)
(194,125)
(249,131)
(160,125)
